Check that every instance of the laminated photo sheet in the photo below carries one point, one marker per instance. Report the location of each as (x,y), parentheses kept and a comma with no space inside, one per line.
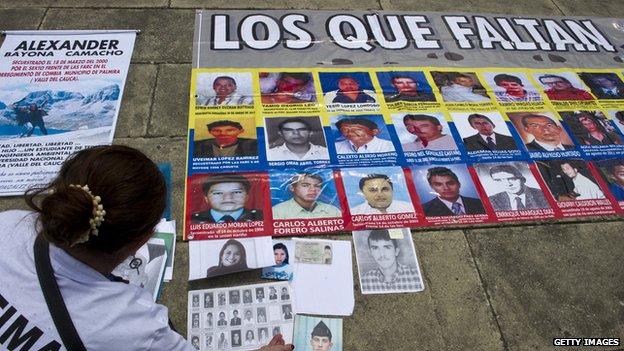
(387,252)
(325,286)
(146,267)
(317,333)
(241,317)
(166,231)
(211,258)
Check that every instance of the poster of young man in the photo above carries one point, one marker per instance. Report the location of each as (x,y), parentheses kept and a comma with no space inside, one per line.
(425,137)
(595,134)
(461,90)
(222,205)
(543,135)
(378,197)
(63,100)
(295,141)
(448,195)
(606,86)
(387,261)
(565,90)
(612,173)
(288,92)
(486,136)
(362,140)
(224,91)
(513,89)
(305,202)
(514,192)
(348,92)
(224,144)
(576,187)
(405,90)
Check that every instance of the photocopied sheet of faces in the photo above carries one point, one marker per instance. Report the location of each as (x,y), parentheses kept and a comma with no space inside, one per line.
(240,317)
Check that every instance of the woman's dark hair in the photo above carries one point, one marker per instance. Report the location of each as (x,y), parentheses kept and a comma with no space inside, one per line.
(242,264)
(281,247)
(132,191)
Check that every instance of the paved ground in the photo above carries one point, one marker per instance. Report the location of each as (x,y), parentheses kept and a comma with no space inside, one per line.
(494,288)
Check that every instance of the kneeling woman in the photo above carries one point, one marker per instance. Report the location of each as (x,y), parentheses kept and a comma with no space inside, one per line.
(57,260)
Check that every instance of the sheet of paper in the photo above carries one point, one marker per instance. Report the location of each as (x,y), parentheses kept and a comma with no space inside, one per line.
(325,289)
(211,258)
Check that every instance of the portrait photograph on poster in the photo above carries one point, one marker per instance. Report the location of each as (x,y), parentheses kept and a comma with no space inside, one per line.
(295,139)
(287,88)
(485,133)
(542,133)
(460,87)
(304,194)
(575,188)
(448,195)
(570,180)
(511,186)
(317,333)
(509,87)
(405,86)
(617,117)
(378,196)
(562,86)
(377,190)
(211,258)
(513,191)
(387,261)
(361,134)
(220,205)
(216,137)
(224,89)
(604,85)
(594,132)
(423,131)
(347,88)
(612,172)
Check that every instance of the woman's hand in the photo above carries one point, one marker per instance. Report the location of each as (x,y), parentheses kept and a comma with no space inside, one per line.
(277,344)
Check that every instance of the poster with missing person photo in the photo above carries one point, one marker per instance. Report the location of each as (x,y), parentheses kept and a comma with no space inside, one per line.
(595,133)
(378,197)
(514,190)
(60,92)
(240,317)
(224,205)
(576,187)
(612,173)
(387,261)
(448,195)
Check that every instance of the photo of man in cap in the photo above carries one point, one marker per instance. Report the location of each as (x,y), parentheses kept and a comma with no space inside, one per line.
(321,338)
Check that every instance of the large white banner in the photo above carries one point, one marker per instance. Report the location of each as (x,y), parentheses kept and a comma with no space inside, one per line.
(60,92)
